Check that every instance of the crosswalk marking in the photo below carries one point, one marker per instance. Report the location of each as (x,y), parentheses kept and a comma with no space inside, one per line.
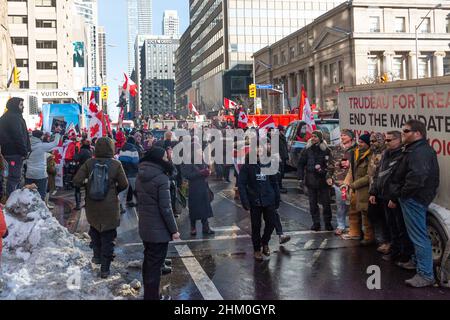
(318,252)
(199,276)
(308,244)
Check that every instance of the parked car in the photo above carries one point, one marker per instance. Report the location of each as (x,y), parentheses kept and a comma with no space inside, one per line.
(296,136)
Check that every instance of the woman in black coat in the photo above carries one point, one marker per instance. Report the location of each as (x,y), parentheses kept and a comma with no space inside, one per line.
(157,226)
(199,193)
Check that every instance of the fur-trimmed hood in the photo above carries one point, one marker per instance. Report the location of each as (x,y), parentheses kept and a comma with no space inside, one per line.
(323,145)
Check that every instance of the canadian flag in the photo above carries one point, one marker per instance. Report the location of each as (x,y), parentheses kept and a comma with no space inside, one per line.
(96,128)
(193,109)
(130,86)
(243,119)
(229,104)
(267,124)
(72,131)
(305,112)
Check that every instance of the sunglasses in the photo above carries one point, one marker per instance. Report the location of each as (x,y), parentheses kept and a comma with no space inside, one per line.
(408,130)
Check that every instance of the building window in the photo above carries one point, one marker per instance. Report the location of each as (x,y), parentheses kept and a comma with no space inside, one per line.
(447,24)
(45,3)
(22,63)
(238,83)
(400,25)
(373,67)
(46,44)
(424,67)
(447,65)
(17,19)
(398,68)
(301,48)
(46,65)
(275,60)
(283,57)
(426,26)
(19,41)
(374,23)
(45,23)
(24,84)
(341,71)
(291,53)
(334,73)
(47,85)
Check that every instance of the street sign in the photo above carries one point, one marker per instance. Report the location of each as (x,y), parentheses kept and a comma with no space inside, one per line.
(264,86)
(96,89)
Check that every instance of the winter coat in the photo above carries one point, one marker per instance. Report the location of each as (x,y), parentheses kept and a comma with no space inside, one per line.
(83,155)
(382,180)
(374,163)
(256,189)
(37,161)
(14,138)
(156,220)
(129,156)
(417,176)
(3,230)
(335,165)
(199,198)
(311,156)
(103,215)
(358,178)
(284,152)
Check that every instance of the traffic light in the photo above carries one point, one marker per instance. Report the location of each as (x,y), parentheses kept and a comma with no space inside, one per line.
(384,78)
(252,91)
(104,92)
(16,76)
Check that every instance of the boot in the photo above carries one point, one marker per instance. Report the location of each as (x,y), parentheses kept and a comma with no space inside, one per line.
(47,196)
(166,269)
(78,201)
(105,269)
(315,227)
(207,229)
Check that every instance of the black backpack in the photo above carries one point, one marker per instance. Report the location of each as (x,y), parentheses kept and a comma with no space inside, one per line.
(99,181)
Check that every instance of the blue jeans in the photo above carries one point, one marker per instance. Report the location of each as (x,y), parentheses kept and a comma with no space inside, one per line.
(415,215)
(342,209)
(41,184)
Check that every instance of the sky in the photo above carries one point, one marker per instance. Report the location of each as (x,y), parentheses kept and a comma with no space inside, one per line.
(112,15)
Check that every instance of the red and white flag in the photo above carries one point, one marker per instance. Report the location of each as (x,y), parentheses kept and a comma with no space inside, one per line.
(96,127)
(267,124)
(229,104)
(130,86)
(306,113)
(243,119)
(93,108)
(193,109)
(72,131)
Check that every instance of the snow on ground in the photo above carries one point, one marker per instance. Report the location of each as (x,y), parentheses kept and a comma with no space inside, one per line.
(42,260)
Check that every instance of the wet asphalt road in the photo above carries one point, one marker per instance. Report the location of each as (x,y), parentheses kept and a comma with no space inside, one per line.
(316,266)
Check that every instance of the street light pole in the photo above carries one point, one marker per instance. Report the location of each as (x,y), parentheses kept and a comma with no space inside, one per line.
(417,38)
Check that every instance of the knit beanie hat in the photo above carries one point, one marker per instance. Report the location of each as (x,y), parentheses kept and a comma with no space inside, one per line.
(348,133)
(156,153)
(319,134)
(365,138)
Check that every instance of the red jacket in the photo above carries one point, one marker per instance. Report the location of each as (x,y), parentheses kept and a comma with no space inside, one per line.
(3,229)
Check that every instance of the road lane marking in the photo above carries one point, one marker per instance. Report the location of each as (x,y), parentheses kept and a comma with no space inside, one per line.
(224,229)
(308,244)
(204,284)
(318,252)
(232,201)
(216,238)
(305,232)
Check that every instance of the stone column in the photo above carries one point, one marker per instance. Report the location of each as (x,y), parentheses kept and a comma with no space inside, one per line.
(298,74)
(309,81)
(290,84)
(438,63)
(412,65)
(318,85)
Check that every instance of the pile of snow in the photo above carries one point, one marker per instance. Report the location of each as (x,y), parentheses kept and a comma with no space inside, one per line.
(42,260)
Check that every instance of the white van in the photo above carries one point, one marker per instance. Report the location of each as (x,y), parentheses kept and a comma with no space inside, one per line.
(385,107)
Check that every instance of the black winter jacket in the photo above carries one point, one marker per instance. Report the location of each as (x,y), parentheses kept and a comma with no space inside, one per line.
(256,189)
(14,138)
(382,186)
(417,176)
(312,156)
(156,220)
(284,152)
(83,155)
